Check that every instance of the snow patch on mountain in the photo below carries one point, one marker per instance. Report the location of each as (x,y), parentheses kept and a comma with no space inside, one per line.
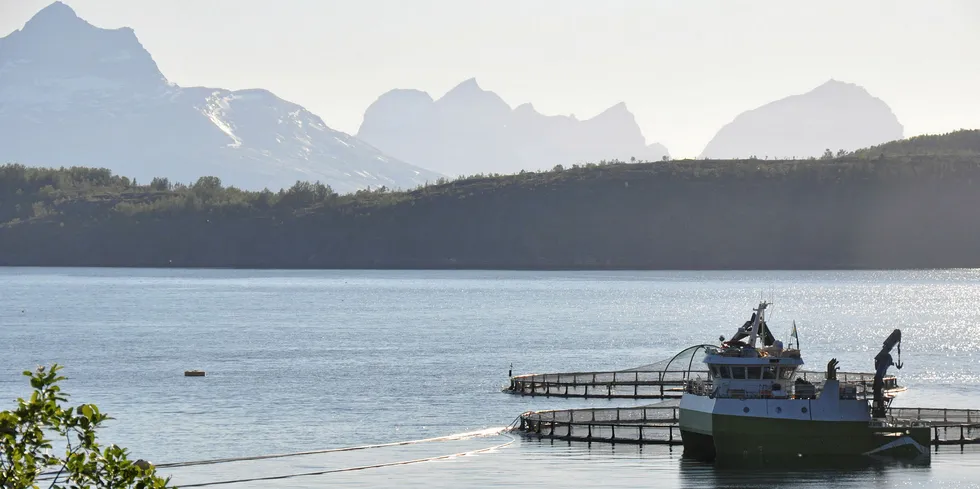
(75,94)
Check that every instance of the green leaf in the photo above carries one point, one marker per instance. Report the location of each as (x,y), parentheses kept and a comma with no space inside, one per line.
(23,444)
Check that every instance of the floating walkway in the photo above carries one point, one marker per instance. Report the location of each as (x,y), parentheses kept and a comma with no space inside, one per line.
(661,380)
(653,425)
(657,424)
(667,380)
(637,384)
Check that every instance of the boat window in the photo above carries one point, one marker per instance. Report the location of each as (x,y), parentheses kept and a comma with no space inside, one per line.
(725,373)
(714,371)
(738,372)
(786,373)
(754,372)
(769,372)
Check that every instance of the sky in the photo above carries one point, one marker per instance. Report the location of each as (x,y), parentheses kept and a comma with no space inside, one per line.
(684,68)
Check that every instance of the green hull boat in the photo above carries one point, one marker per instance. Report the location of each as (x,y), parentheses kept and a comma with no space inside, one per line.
(753,407)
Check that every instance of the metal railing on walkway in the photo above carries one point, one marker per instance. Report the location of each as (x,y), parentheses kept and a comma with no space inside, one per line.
(658,424)
(636,384)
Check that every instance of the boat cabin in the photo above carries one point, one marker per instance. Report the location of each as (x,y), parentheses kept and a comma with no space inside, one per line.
(771,375)
(741,369)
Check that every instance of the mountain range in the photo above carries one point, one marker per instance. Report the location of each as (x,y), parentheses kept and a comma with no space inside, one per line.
(75,94)
(471,130)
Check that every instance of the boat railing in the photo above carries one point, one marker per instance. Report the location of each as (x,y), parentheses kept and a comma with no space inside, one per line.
(900,423)
(699,387)
(665,376)
(934,415)
(659,424)
(677,377)
(641,424)
(843,377)
(637,414)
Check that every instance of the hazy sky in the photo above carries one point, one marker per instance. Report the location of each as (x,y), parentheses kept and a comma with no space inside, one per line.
(684,68)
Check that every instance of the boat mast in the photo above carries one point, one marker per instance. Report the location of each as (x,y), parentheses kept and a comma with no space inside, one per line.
(759,319)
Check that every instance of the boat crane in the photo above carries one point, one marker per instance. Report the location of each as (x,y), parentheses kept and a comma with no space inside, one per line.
(883,360)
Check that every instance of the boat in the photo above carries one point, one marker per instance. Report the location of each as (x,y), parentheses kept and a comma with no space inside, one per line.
(754,407)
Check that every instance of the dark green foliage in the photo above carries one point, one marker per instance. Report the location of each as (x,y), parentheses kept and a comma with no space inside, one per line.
(160,184)
(963,142)
(29,458)
(843,211)
(304,194)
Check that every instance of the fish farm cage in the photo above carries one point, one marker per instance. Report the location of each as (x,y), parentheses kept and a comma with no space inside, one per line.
(667,380)
(657,424)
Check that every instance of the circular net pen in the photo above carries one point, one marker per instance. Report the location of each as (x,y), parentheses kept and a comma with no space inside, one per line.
(662,380)
(654,424)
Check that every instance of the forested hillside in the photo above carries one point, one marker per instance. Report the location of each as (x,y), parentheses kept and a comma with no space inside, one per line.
(965,142)
(872,209)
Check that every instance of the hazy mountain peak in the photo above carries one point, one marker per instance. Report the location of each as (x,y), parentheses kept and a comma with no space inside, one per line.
(57,15)
(402,96)
(468,96)
(471,130)
(75,94)
(465,91)
(835,83)
(469,85)
(617,112)
(469,92)
(619,107)
(397,101)
(835,115)
(840,88)
(58,50)
(525,107)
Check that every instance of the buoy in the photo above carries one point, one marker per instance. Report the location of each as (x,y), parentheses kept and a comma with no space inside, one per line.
(193,373)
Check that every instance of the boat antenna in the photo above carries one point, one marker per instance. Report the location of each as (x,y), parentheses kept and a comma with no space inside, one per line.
(760,315)
(796,334)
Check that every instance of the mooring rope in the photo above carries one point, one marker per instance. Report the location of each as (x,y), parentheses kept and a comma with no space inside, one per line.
(457,436)
(352,469)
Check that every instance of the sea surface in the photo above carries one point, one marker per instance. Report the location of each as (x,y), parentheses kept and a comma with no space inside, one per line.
(312,360)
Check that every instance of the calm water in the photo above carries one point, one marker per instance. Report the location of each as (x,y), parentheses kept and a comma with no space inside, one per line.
(306,360)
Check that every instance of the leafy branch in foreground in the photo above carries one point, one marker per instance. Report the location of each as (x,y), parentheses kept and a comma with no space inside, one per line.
(26,459)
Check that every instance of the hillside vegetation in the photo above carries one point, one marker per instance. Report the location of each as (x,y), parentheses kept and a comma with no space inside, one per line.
(899,205)
(965,142)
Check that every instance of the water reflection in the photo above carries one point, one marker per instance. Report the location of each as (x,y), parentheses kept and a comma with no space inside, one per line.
(838,472)
(947,467)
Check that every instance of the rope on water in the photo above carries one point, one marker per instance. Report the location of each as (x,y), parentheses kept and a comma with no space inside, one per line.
(46,476)
(460,436)
(352,469)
